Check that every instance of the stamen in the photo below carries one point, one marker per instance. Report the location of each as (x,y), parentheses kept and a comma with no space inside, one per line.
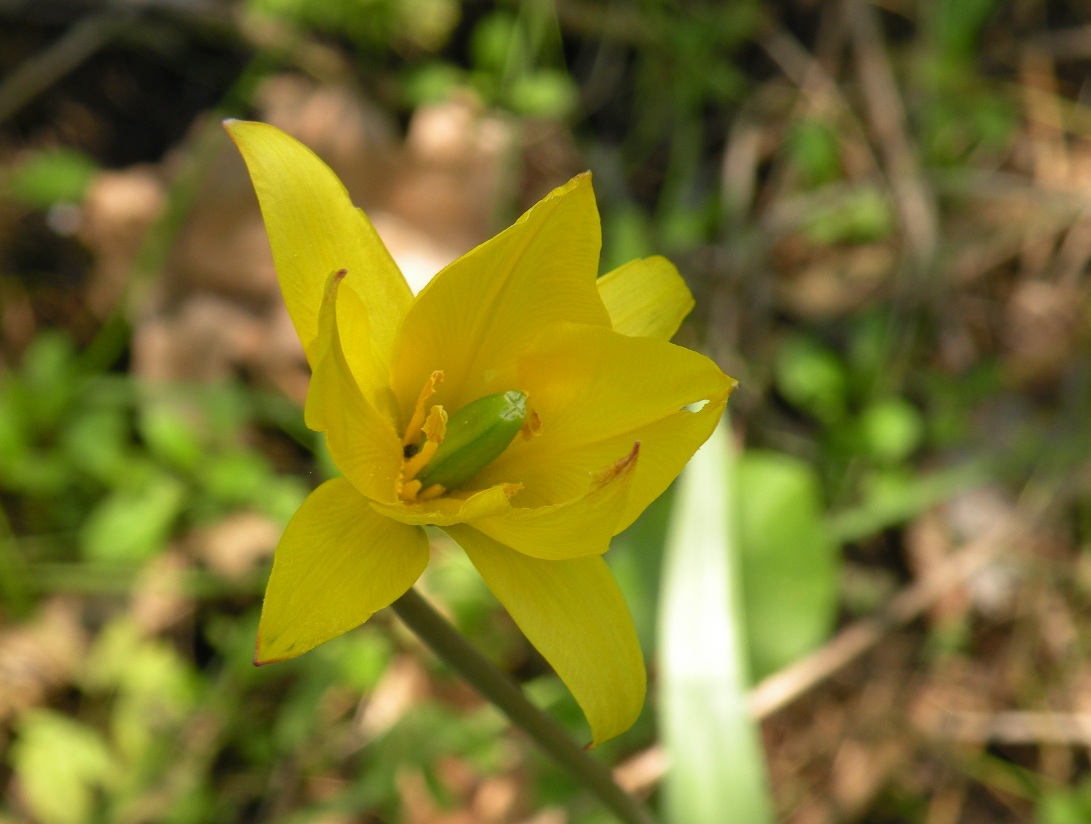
(434,428)
(414,465)
(407,490)
(448,456)
(417,421)
(434,491)
(532,426)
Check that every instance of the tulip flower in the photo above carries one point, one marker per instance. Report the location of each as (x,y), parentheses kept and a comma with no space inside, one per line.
(522,405)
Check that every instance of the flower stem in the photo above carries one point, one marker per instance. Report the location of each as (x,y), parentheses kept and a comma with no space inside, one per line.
(446,642)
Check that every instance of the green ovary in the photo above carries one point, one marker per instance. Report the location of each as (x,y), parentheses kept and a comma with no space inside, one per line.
(476,436)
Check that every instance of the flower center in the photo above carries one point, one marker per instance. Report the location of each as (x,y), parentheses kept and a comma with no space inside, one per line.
(455,448)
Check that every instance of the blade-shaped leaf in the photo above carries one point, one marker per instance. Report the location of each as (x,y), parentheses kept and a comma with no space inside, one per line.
(717,771)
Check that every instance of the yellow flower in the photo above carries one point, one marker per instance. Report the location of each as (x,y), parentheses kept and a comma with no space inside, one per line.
(611,416)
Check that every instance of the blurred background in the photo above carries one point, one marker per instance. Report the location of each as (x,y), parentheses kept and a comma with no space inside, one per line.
(883,211)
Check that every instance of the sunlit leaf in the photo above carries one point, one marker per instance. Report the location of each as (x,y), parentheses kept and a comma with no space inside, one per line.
(789,559)
(132,523)
(717,770)
(60,764)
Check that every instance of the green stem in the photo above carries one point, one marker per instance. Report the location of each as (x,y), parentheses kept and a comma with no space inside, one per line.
(446,642)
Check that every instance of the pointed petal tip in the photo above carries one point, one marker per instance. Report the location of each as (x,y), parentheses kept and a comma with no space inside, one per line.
(261,660)
(230,124)
(264,659)
(258,660)
(259,663)
(333,282)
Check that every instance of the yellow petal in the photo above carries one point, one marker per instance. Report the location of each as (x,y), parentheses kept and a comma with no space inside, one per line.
(337,563)
(574,529)
(314,229)
(573,613)
(362,442)
(646,298)
(354,330)
(596,393)
(448,510)
(478,313)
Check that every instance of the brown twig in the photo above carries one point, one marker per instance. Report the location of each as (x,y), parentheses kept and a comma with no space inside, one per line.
(38,73)
(1065,729)
(912,198)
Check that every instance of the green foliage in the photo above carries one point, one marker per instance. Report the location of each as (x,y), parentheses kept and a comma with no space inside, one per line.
(49,177)
(371,25)
(954,29)
(1065,806)
(960,113)
(625,235)
(63,766)
(636,560)
(813,150)
(789,561)
(133,522)
(890,429)
(861,215)
(515,63)
(813,378)
(861,418)
(127,469)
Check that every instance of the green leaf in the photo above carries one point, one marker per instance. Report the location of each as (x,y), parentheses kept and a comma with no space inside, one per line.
(170,436)
(236,478)
(1065,805)
(97,443)
(546,93)
(814,151)
(637,563)
(862,215)
(14,437)
(51,176)
(789,560)
(717,770)
(153,689)
(131,524)
(493,38)
(890,430)
(432,83)
(49,379)
(813,378)
(626,235)
(61,765)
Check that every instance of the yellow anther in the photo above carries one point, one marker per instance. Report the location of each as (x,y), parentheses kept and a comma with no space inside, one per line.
(414,464)
(434,491)
(408,490)
(412,430)
(532,426)
(434,427)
